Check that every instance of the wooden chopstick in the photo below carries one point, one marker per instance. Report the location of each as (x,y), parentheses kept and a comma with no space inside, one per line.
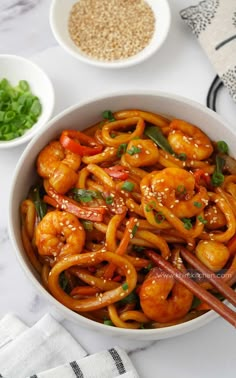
(197,290)
(217,282)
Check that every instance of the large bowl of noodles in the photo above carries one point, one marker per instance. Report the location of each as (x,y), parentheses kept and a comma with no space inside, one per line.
(93,266)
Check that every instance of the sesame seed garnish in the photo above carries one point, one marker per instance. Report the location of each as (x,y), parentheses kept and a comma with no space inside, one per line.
(102,28)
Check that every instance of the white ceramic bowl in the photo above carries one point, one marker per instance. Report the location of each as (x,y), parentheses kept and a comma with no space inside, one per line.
(59,14)
(15,68)
(89,113)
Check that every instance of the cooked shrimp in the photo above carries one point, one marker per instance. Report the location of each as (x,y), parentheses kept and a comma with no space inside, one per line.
(213,254)
(184,137)
(59,166)
(59,234)
(141,153)
(175,189)
(162,298)
(214,217)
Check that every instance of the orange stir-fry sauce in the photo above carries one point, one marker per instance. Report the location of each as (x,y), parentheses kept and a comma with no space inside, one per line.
(134,182)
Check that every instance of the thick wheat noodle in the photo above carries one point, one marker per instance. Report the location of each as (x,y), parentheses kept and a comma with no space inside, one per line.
(118,322)
(223,236)
(122,248)
(29,250)
(91,259)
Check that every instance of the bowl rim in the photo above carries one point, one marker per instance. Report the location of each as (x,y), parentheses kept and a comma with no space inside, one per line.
(33,131)
(151,334)
(132,61)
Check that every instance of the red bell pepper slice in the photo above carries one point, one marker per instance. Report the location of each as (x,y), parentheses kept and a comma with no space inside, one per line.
(117,171)
(201,175)
(79,143)
(94,214)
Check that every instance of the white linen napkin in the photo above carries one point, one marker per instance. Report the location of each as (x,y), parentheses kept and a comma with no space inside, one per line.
(10,328)
(47,350)
(213,22)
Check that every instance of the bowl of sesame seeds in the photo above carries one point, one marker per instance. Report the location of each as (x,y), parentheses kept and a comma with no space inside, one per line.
(110,33)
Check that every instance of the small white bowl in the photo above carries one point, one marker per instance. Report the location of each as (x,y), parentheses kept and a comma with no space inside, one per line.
(59,15)
(89,113)
(15,68)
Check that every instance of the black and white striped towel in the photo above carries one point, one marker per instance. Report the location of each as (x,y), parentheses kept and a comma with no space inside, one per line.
(47,350)
(213,22)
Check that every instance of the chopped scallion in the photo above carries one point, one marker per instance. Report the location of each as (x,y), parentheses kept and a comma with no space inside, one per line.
(201,219)
(128,186)
(197,204)
(109,200)
(19,109)
(107,114)
(108,322)
(134,230)
(155,133)
(84,195)
(222,147)
(121,149)
(187,223)
(134,150)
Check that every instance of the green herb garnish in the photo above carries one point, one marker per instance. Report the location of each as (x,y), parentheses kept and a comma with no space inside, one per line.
(217,177)
(201,219)
(108,322)
(155,133)
(150,206)
(128,186)
(125,286)
(36,194)
(107,114)
(149,267)
(195,303)
(181,189)
(63,282)
(197,204)
(134,150)
(182,156)
(159,217)
(121,149)
(19,109)
(187,223)
(88,225)
(222,147)
(131,298)
(84,195)
(109,200)
(134,230)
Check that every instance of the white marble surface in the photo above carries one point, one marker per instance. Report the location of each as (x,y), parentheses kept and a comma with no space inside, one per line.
(179,67)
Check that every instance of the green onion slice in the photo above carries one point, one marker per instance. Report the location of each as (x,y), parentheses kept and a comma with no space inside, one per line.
(107,114)
(223,147)
(155,133)
(128,186)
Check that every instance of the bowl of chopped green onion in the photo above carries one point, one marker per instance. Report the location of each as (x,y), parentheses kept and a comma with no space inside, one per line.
(26,100)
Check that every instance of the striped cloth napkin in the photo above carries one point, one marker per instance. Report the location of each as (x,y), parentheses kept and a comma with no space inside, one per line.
(47,350)
(213,22)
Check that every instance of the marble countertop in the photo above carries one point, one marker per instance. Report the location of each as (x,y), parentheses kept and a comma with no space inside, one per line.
(179,67)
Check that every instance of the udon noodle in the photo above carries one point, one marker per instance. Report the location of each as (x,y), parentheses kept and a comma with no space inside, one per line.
(134,182)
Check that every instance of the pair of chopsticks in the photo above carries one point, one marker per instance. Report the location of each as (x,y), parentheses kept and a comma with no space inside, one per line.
(196,289)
